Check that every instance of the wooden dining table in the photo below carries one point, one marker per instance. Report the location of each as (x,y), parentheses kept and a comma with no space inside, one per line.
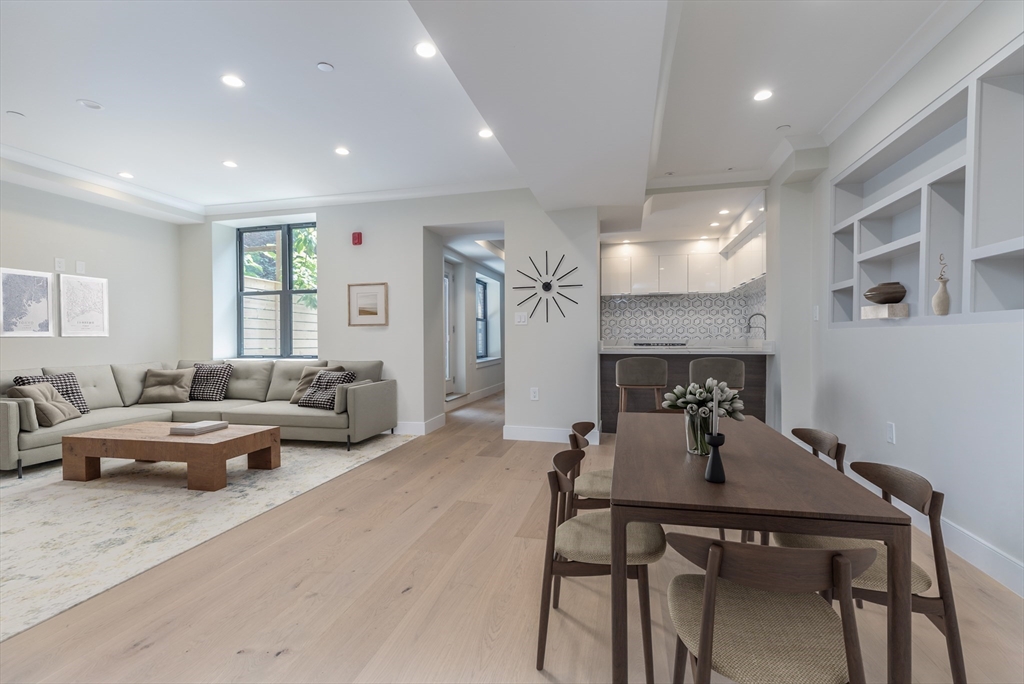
(772,484)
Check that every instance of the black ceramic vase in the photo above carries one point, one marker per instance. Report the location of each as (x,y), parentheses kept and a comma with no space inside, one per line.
(715,472)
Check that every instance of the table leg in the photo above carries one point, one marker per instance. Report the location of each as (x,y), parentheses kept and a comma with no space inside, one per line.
(267,458)
(899,612)
(80,468)
(207,475)
(620,655)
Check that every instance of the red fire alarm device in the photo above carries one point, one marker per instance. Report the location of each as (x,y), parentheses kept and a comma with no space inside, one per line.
(357,238)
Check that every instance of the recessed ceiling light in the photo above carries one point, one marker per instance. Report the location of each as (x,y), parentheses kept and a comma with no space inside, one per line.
(230,164)
(125,174)
(89,104)
(426,49)
(762,95)
(485,133)
(14,113)
(783,127)
(715,224)
(325,66)
(625,242)
(670,173)
(341,150)
(761,209)
(232,80)
(724,212)
(703,237)
(749,221)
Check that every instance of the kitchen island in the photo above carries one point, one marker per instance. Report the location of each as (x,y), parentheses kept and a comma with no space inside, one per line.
(678,358)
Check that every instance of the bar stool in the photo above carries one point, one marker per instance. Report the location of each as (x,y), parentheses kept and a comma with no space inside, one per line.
(641,372)
(721,368)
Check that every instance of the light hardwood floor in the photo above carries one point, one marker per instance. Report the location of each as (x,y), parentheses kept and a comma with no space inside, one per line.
(423,565)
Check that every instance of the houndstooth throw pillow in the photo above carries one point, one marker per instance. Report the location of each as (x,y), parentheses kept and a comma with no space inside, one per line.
(321,393)
(66,385)
(210,383)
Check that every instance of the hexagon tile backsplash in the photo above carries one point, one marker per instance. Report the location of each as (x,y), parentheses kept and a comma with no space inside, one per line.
(676,317)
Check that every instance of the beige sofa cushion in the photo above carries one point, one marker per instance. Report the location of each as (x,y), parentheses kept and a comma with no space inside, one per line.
(167,386)
(51,408)
(285,414)
(192,411)
(191,363)
(286,376)
(364,370)
(341,395)
(97,383)
(94,420)
(7,377)
(309,373)
(131,379)
(250,380)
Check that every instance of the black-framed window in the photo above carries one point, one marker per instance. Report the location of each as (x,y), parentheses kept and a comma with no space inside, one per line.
(277,283)
(481,319)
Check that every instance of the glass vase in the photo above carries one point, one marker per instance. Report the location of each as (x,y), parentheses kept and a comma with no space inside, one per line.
(696,430)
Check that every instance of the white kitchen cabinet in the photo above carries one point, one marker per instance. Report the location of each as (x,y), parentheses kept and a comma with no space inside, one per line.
(643,276)
(615,276)
(704,272)
(672,274)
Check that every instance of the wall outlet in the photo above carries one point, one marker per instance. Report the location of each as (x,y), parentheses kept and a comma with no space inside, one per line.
(815,312)
(521,318)
(79,267)
(890,433)
(58,265)
(534,394)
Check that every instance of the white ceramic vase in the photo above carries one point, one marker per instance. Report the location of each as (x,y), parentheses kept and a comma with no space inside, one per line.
(940,300)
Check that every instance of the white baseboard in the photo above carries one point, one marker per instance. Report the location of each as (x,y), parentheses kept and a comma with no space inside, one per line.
(473,396)
(412,428)
(526,433)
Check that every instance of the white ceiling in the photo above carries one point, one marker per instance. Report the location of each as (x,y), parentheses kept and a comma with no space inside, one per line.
(688,215)
(568,87)
(463,240)
(822,60)
(156,68)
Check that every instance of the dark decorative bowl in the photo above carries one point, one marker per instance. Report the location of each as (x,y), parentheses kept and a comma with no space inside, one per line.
(886,293)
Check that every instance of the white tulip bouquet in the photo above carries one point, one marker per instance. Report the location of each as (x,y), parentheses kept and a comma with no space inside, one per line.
(700,402)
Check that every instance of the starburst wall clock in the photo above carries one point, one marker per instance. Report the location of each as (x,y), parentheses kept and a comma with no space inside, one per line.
(547,288)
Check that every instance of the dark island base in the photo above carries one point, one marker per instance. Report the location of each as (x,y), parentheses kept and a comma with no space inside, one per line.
(753,393)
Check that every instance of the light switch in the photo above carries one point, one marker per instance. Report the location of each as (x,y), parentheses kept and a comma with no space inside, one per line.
(58,265)
(79,267)
(521,318)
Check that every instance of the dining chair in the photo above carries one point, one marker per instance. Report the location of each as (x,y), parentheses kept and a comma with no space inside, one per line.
(641,372)
(593,489)
(581,546)
(764,622)
(722,368)
(872,586)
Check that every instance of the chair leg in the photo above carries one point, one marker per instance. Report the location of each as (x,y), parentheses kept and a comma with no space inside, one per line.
(545,612)
(764,538)
(555,591)
(954,647)
(679,669)
(622,400)
(693,668)
(860,603)
(644,590)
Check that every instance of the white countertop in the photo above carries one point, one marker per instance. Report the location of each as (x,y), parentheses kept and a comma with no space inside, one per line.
(759,347)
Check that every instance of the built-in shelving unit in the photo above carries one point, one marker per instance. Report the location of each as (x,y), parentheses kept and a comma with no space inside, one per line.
(949,182)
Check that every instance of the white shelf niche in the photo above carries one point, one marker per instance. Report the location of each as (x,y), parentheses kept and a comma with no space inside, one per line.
(891,224)
(842,304)
(999,282)
(936,140)
(945,236)
(842,254)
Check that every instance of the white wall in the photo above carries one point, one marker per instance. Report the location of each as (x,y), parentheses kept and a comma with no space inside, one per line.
(139,257)
(955,392)
(560,358)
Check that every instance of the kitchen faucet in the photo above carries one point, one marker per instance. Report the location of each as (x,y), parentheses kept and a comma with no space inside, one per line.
(763,329)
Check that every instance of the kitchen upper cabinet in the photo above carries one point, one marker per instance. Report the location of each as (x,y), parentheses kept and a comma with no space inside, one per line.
(615,276)
(672,274)
(643,275)
(704,273)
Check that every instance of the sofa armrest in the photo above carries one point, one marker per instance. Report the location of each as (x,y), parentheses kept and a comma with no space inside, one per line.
(372,409)
(9,429)
(27,418)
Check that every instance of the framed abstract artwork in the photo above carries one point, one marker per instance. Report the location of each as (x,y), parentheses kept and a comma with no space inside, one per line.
(83,307)
(26,303)
(368,304)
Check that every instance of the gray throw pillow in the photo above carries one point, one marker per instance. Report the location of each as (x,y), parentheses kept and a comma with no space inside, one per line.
(308,373)
(51,407)
(167,386)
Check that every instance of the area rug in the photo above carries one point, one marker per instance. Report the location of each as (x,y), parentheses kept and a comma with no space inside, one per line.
(63,542)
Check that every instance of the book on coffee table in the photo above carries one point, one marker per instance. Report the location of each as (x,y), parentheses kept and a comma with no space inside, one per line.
(200,428)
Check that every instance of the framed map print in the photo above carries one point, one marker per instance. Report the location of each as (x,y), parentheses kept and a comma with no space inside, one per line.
(83,307)
(368,304)
(26,303)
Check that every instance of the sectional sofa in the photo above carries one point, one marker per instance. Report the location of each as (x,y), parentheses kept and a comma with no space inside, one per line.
(259,393)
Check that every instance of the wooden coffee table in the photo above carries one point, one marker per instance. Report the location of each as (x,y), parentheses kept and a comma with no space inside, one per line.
(206,455)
